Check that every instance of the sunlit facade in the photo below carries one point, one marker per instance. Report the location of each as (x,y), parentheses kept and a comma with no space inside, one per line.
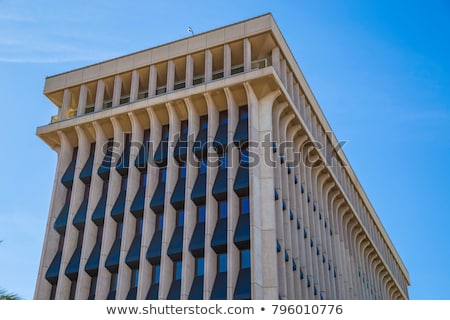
(205,169)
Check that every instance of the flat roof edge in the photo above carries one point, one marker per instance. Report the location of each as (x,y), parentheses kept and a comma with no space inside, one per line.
(60,78)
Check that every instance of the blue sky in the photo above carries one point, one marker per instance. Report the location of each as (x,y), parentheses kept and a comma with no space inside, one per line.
(379,69)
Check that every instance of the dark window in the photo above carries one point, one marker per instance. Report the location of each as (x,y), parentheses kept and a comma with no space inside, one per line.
(53,292)
(244,205)
(245,259)
(61,243)
(143,181)
(156,273)
(73,288)
(86,191)
(223,117)
(93,286)
(182,171)
(204,122)
(124,183)
(203,166)
(146,135)
(180,218)
(80,238)
(184,128)
(199,266)
(134,278)
(222,262)
(159,222)
(162,175)
(244,157)
(201,213)
(177,270)
(165,133)
(68,195)
(113,283)
(139,226)
(243,113)
(119,229)
(99,233)
(223,209)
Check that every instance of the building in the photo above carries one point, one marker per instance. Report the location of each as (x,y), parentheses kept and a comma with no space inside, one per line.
(205,169)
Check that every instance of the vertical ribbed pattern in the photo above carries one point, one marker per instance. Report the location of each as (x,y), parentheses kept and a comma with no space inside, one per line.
(131,222)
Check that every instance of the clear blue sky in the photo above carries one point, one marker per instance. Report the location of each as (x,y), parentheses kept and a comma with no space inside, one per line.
(379,69)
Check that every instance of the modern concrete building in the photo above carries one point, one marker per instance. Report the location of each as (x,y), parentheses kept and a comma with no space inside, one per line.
(205,169)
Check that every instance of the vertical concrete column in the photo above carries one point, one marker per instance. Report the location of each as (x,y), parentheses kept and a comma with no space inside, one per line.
(283,72)
(211,203)
(63,288)
(340,233)
(134,89)
(189,71)
(290,136)
(262,226)
(290,85)
(71,235)
(315,227)
(129,221)
(166,277)
(308,117)
(344,216)
(81,109)
(338,203)
(226,60)
(297,96)
(284,122)
(321,178)
(276,137)
(376,268)
(365,250)
(348,223)
(304,252)
(232,198)
(313,127)
(190,209)
(109,228)
(313,273)
(353,266)
(152,77)
(372,274)
(149,218)
(361,245)
(330,254)
(170,76)
(65,106)
(51,239)
(276,60)
(100,95)
(302,106)
(247,55)
(117,91)
(90,229)
(208,65)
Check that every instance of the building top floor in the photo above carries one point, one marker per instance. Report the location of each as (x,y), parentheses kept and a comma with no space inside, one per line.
(261,31)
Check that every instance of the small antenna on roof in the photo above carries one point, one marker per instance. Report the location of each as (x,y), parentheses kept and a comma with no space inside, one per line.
(189,29)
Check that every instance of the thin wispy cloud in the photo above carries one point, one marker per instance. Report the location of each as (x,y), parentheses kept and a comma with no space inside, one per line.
(31,34)
(14,17)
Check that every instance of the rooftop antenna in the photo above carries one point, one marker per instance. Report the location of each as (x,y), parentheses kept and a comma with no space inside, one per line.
(189,29)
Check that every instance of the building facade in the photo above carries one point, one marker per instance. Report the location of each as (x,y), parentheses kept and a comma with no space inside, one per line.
(205,169)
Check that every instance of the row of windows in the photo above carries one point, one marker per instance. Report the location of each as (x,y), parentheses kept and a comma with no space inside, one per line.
(122,168)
